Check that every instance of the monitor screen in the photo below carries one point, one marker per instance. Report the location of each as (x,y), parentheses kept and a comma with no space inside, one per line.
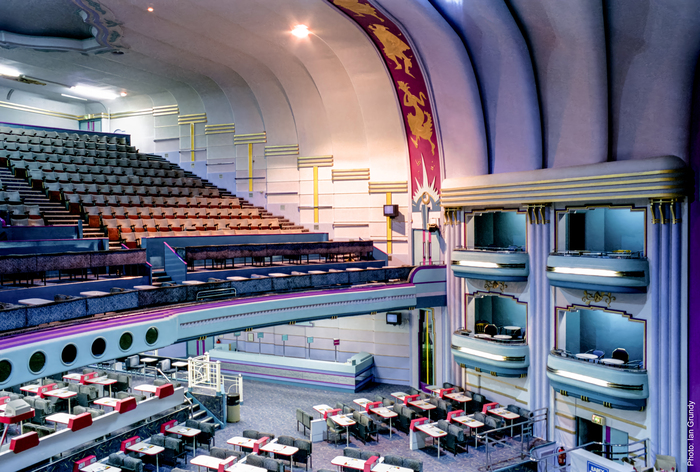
(393,318)
(391,211)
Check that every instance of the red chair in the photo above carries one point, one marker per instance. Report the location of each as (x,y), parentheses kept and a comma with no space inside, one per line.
(127,404)
(369,463)
(23,442)
(452,413)
(225,465)
(260,442)
(129,442)
(85,377)
(45,388)
(416,422)
(166,390)
(4,400)
(328,413)
(167,425)
(80,421)
(410,398)
(371,405)
(77,465)
(443,391)
(489,406)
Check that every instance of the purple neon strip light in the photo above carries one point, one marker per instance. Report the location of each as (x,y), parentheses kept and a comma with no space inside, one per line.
(34,337)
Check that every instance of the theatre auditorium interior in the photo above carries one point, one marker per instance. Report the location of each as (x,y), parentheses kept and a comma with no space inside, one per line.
(349,235)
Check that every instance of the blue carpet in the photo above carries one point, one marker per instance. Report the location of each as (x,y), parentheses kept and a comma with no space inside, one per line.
(271,408)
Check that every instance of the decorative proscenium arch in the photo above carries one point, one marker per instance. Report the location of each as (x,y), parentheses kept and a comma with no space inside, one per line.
(412,92)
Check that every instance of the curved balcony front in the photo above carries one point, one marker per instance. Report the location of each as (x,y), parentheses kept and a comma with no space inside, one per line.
(502,265)
(611,386)
(610,272)
(501,359)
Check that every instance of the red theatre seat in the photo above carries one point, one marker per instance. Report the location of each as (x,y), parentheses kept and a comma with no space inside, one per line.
(371,405)
(410,398)
(452,413)
(127,404)
(416,422)
(24,442)
(225,465)
(77,465)
(45,388)
(84,378)
(260,442)
(4,400)
(489,406)
(166,390)
(129,442)
(369,463)
(443,391)
(328,413)
(167,425)
(80,421)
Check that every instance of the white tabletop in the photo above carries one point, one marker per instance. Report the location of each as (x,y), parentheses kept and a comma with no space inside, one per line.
(362,401)
(586,356)
(433,388)
(384,412)
(423,405)
(209,462)
(183,431)
(277,274)
(180,364)
(503,413)
(236,278)
(73,376)
(279,449)
(34,301)
(468,420)
(322,408)
(503,336)
(431,430)
(351,462)
(243,467)
(61,393)
(146,388)
(93,293)
(148,359)
(242,442)
(144,287)
(191,282)
(317,272)
(482,336)
(145,448)
(343,420)
(101,381)
(511,327)
(34,388)
(458,397)
(382,467)
(100,467)
(107,401)
(399,395)
(612,361)
(62,418)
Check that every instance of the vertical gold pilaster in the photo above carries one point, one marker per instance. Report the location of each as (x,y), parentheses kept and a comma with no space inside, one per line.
(250,167)
(315,194)
(388,226)
(192,141)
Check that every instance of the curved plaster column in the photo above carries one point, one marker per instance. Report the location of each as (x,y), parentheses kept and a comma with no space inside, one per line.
(455,293)
(569,56)
(665,408)
(539,316)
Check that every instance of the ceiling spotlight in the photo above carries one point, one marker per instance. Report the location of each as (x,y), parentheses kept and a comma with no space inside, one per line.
(9,71)
(150,9)
(123,94)
(300,31)
(93,92)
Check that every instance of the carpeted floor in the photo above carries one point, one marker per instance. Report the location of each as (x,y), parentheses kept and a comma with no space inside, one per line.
(271,407)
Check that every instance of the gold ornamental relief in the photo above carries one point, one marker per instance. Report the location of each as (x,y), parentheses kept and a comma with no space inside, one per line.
(420,122)
(394,48)
(359,9)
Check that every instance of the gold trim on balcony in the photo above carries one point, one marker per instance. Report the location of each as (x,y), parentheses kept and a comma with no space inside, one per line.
(595,272)
(593,381)
(488,355)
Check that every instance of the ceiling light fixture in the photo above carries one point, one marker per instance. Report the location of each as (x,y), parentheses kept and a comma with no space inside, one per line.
(150,9)
(93,92)
(71,96)
(301,31)
(9,71)
(123,94)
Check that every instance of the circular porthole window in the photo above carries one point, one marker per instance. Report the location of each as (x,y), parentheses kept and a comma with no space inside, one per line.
(5,370)
(125,341)
(69,353)
(37,362)
(99,346)
(151,336)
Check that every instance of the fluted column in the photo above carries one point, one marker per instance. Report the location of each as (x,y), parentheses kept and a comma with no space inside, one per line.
(453,228)
(665,252)
(539,316)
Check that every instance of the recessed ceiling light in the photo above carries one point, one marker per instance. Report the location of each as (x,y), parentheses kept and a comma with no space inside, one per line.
(301,31)
(71,96)
(93,92)
(150,9)
(123,94)
(9,71)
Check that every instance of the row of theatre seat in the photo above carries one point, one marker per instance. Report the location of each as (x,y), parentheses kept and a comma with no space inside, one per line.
(140,164)
(56,189)
(40,133)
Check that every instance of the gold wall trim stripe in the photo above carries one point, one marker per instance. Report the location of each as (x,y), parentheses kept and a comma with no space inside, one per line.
(568,417)
(282,150)
(504,394)
(314,161)
(388,187)
(564,430)
(614,188)
(607,415)
(349,174)
(40,111)
(496,379)
(129,114)
(250,138)
(193,116)
(226,128)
